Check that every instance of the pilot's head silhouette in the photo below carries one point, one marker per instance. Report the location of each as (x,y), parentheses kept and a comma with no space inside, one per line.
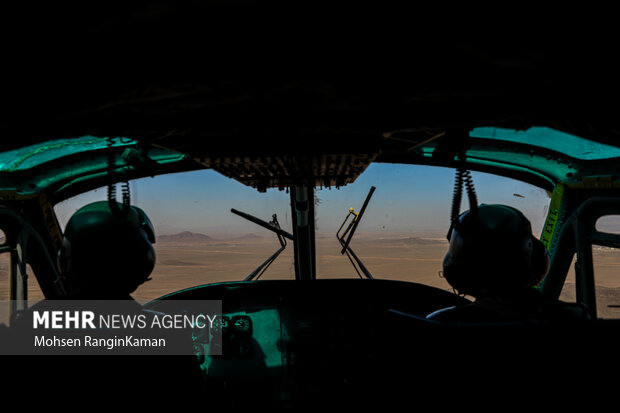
(107,251)
(492,252)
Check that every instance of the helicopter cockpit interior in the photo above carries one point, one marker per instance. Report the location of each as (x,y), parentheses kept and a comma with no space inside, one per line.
(308,336)
(294,330)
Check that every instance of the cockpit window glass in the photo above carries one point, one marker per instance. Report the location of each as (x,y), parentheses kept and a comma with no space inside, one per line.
(401,236)
(198,239)
(606,260)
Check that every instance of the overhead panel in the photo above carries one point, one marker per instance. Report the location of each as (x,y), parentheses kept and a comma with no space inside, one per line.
(282,171)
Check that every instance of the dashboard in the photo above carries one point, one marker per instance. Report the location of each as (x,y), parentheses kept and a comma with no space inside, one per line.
(286,333)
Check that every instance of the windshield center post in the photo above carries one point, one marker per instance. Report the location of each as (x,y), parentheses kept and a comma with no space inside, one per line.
(302,208)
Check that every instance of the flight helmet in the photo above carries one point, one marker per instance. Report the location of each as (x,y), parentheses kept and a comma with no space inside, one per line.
(492,251)
(107,249)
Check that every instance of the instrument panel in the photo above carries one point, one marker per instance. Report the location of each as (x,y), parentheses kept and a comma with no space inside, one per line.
(288,330)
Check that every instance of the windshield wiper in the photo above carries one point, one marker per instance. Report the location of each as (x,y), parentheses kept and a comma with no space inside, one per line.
(350,230)
(273,226)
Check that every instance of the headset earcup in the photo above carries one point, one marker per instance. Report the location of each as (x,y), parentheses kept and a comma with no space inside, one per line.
(461,276)
(148,262)
(135,254)
(457,268)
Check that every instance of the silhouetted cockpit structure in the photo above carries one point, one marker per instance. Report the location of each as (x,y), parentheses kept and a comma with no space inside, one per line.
(313,340)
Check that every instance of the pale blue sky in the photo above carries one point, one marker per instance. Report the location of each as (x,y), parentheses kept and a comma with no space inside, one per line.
(409,200)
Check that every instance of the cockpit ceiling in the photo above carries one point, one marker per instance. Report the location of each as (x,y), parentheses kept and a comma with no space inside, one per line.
(274,133)
(428,84)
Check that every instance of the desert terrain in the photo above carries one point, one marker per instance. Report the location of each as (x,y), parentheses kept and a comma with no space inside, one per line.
(189,259)
(182,263)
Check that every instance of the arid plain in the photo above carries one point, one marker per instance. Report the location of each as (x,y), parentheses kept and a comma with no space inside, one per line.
(188,259)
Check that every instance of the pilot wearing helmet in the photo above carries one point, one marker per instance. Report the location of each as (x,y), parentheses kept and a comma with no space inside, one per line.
(494,258)
(106,254)
(107,251)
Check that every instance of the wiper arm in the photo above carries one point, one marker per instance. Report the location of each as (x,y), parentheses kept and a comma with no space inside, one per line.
(273,226)
(346,249)
(268,225)
(356,220)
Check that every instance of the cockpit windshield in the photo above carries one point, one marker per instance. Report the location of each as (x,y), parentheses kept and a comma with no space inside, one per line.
(402,235)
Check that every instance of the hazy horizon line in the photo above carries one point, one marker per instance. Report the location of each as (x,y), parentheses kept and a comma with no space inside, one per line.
(374,233)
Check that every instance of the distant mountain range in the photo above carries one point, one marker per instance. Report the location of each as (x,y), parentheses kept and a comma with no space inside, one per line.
(185,236)
(196,237)
(249,237)
(189,236)
(414,241)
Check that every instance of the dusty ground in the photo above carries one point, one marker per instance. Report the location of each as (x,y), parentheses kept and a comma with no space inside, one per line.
(183,264)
